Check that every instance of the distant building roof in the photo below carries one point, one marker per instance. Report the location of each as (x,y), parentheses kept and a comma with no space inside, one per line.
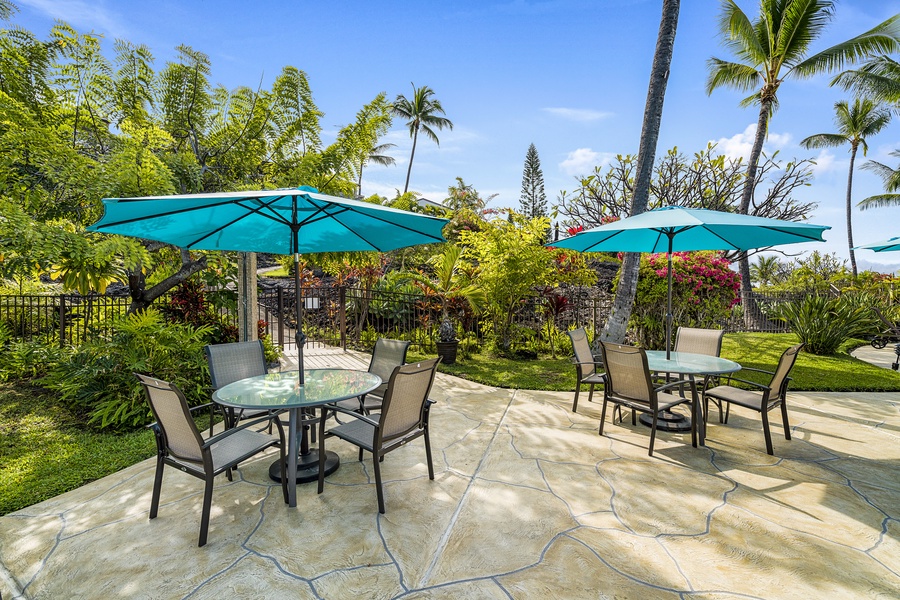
(426,203)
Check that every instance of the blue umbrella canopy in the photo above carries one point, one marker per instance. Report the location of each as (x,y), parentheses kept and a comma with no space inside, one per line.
(274,221)
(288,221)
(889,245)
(677,229)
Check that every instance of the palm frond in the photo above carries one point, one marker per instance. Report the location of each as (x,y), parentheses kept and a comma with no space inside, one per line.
(879,78)
(884,38)
(824,140)
(730,74)
(880,201)
(801,22)
(739,34)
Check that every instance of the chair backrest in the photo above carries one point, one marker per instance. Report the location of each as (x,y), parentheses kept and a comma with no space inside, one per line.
(388,355)
(627,373)
(404,401)
(235,361)
(582,349)
(699,341)
(170,407)
(785,364)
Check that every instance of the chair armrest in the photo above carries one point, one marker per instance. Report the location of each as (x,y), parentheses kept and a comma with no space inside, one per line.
(366,418)
(674,384)
(229,432)
(761,386)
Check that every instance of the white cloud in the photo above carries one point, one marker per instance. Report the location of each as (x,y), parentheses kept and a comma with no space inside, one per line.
(827,162)
(740,144)
(83,14)
(581,115)
(583,160)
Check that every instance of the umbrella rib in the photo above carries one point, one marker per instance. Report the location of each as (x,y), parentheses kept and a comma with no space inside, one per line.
(370,216)
(168,213)
(252,210)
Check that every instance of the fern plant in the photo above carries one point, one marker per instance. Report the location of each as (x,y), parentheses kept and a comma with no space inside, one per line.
(99,380)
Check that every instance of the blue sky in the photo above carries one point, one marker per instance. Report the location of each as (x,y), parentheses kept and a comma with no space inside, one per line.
(569,76)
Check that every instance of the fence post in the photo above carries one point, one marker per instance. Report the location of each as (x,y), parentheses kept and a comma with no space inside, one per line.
(62,321)
(342,312)
(280,317)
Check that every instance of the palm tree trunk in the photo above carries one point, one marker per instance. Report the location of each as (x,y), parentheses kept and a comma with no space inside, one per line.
(753,317)
(411,155)
(659,76)
(853,149)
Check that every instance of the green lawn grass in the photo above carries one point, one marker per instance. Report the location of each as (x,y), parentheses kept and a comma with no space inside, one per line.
(46,450)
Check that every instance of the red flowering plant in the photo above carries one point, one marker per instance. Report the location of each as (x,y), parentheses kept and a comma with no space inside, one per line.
(704,289)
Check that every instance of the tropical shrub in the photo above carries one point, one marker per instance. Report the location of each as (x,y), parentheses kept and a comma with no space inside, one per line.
(98,379)
(704,290)
(823,324)
(188,305)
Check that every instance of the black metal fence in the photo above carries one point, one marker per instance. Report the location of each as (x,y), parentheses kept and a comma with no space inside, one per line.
(341,316)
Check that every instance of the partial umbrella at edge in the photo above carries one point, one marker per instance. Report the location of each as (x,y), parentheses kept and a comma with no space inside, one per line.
(888,245)
(288,221)
(677,229)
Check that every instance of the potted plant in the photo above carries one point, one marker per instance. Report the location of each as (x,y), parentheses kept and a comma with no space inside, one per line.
(448,283)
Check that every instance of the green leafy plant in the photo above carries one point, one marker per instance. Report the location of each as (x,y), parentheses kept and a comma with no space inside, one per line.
(823,324)
(98,379)
(271,351)
(188,305)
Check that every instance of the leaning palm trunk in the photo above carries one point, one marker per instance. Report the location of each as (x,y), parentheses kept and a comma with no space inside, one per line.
(659,77)
(753,317)
(411,156)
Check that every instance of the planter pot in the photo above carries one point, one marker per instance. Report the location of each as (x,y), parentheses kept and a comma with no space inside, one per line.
(447,351)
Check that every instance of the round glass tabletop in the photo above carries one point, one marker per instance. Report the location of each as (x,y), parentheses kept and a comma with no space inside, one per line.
(283,390)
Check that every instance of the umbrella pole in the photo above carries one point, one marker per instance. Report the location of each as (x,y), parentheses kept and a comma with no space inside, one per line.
(299,336)
(669,302)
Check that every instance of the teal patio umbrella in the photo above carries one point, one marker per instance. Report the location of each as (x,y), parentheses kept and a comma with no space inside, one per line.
(287,221)
(889,245)
(676,229)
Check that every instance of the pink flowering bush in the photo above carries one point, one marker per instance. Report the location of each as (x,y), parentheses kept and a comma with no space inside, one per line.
(704,289)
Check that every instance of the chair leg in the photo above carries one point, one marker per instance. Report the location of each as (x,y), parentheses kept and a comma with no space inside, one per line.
(653,431)
(577,390)
(784,418)
(591,394)
(634,416)
(603,414)
(377,463)
(768,434)
(727,411)
(207,505)
(428,455)
(157,486)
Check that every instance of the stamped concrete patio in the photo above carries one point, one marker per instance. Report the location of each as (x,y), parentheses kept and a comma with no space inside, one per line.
(528,502)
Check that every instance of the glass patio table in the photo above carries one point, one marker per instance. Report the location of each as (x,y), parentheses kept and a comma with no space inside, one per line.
(278,391)
(689,365)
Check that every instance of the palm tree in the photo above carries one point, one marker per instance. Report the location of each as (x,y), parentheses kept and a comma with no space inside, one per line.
(891,179)
(376,155)
(659,76)
(855,123)
(772,49)
(878,79)
(765,271)
(450,282)
(422,113)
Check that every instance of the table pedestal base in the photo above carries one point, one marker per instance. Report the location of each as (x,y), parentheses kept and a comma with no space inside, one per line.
(668,421)
(308,467)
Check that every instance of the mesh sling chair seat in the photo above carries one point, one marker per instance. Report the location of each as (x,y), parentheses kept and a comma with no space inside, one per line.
(180,445)
(762,398)
(585,365)
(232,362)
(695,340)
(403,417)
(387,355)
(628,383)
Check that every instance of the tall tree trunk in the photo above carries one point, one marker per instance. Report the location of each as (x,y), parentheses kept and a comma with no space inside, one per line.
(853,149)
(617,324)
(411,155)
(141,298)
(753,317)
